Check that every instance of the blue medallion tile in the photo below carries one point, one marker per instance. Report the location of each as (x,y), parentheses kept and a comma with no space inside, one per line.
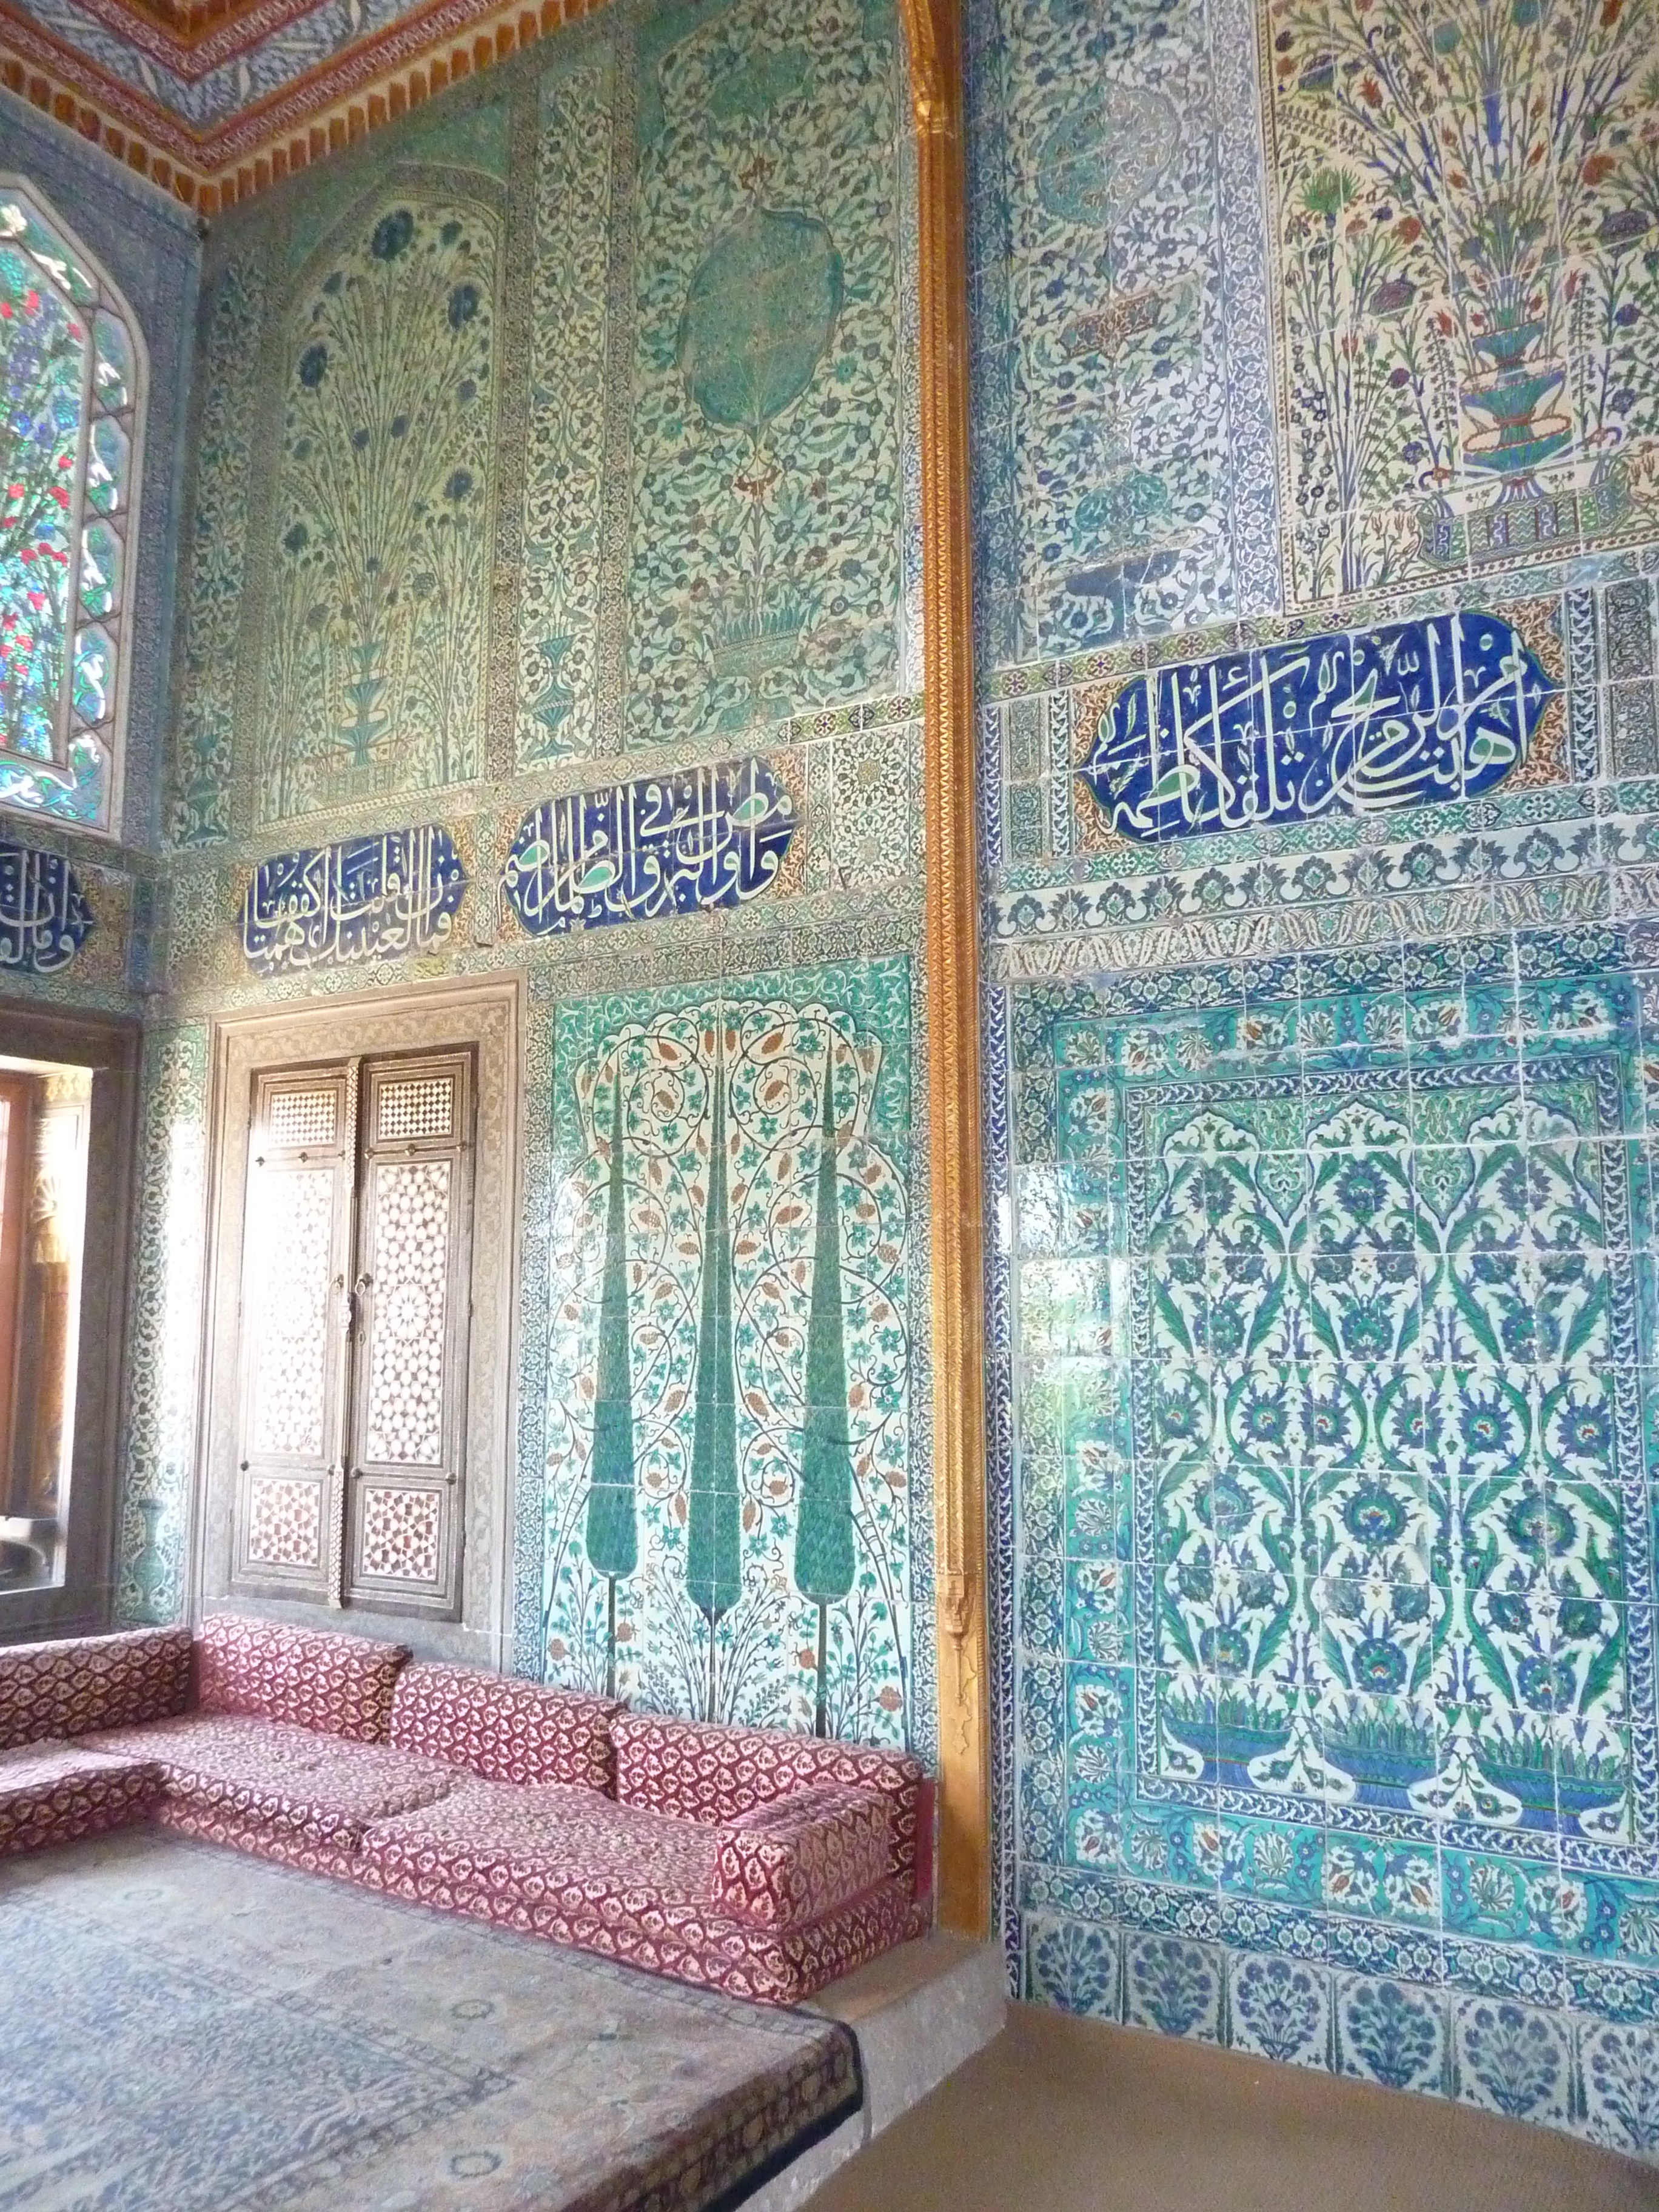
(1094,1837)
(1620,2069)
(1070,1964)
(1513,2059)
(1280,2008)
(1175,1986)
(1389,2033)
(1097,1626)
(1278,1861)
(1484,1896)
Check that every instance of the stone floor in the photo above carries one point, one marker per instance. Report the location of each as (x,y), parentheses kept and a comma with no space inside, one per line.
(1067,2115)
(185,2029)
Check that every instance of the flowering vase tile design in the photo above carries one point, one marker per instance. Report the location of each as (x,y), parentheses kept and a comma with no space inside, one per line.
(370,676)
(707,1473)
(1411,713)
(1463,287)
(1336,1573)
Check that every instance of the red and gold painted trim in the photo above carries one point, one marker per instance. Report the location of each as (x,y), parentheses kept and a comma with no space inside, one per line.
(320,113)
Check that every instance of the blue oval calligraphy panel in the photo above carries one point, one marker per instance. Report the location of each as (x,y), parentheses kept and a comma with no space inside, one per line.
(369,898)
(1414,713)
(44,918)
(662,845)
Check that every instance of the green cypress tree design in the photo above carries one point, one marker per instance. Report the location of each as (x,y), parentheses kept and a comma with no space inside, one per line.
(824,1527)
(713,1564)
(612,1533)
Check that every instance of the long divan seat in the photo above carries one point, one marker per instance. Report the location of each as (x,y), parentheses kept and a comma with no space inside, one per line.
(752,1861)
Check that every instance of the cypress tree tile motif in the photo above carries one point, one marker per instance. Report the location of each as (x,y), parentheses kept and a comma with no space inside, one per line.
(756,1238)
(612,1532)
(713,1564)
(823,1528)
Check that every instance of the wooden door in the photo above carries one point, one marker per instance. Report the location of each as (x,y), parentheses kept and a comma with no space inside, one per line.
(357,1260)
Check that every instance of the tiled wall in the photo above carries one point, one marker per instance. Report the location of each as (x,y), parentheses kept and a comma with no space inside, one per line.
(551,553)
(1315,386)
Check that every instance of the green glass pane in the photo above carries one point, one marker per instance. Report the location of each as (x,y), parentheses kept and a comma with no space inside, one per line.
(112,375)
(108,452)
(100,570)
(94,675)
(20,223)
(76,797)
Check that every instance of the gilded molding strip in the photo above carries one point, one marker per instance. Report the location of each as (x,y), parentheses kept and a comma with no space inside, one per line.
(933,33)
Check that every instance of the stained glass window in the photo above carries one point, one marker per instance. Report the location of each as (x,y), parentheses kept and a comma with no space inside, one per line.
(71,374)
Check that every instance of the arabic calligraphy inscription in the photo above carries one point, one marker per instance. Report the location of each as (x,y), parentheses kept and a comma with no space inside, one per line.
(662,845)
(44,918)
(1409,714)
(368,898)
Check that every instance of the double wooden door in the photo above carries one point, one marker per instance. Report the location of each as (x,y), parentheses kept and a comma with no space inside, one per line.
(354,1313)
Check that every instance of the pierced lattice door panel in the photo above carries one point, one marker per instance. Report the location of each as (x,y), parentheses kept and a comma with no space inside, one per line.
(295,1248)
(409,1364)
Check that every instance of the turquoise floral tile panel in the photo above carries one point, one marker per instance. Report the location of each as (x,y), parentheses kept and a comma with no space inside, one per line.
(213,562)
(169,1240)
(764,470)
(1334,1601)
(1124,461)
(734,1519)
(558,614)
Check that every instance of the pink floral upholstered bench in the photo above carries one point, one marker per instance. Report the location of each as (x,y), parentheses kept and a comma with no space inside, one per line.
(761,1863)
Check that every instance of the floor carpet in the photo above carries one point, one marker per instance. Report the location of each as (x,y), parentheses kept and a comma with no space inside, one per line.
(1066,2115)
(184,2029)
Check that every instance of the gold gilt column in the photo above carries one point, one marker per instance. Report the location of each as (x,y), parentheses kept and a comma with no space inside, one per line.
(933,32)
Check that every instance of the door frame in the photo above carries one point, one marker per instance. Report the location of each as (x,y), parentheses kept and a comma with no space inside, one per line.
(110,1045)
(487,1013)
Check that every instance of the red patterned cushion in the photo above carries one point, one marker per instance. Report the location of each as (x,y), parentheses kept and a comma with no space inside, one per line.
(92,1681)
(702,1772)
(213,1743)
(688,1940)
(338,1685)
(547,1841)
(53,1793)
(504,1729)
(784,1864)
(323,1789)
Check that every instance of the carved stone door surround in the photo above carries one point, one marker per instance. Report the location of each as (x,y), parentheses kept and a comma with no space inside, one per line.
(487,1017)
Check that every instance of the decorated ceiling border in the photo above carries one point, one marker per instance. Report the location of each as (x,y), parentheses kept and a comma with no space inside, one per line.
(321,112)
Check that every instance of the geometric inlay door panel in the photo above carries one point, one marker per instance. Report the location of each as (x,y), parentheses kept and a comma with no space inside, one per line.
(414,1262)
(356,1263)
(293,1258)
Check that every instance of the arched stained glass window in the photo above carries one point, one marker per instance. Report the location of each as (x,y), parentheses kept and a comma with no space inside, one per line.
(72,405)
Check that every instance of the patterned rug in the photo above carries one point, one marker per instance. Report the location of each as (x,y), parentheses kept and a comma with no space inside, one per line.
(186,2030)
